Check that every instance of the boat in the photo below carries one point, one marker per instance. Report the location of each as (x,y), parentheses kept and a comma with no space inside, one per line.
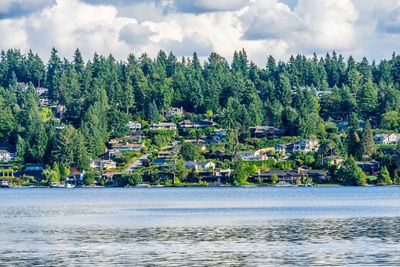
(4,184)
(70,186)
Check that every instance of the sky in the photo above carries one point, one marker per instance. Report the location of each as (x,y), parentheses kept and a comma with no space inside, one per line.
(279,28)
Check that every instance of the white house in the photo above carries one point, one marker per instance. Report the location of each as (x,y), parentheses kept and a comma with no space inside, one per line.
(252,155)
(163,126)
(304,145)
(199,165)
(6,156)
(386,139)
(134,126)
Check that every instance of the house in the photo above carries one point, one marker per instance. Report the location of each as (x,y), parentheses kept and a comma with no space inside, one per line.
(172,112)
(7,153)
(6,171)
(333,160)
(134,126)
(125,139)
(280,149)
(343,125)
(163,126)
(128,147)
(292,176)
(102,164)
(42,92)
(304,145)
(387,139)
(24,86)
(160,163)
(267,132)
(252,155)
(199,165)
(112,154)
(196,124)
(215,176)
(34,169)
(166,154)
(219,135)
(75,178)
(369,167)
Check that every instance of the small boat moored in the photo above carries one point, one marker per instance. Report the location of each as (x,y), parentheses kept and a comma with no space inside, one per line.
(4,184)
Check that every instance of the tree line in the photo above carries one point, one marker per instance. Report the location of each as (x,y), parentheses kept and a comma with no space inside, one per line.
(99,96)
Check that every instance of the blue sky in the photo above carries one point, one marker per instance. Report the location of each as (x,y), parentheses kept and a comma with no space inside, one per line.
(278,27)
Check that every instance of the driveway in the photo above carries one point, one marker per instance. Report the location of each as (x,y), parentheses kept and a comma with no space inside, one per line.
(137,163)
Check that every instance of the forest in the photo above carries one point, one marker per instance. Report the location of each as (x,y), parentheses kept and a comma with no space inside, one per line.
(98,97)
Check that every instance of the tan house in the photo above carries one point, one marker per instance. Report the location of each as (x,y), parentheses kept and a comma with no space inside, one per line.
(102,164)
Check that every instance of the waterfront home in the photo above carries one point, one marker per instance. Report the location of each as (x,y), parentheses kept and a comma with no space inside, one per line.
(215,176)
(134,125)
(75,177)
(199,165)
(102,164)
(163,126)
(34,169)
(387,139)
(6,171)
(292,176)
(369,167)
(7,154)
(172,111)
(128,147)
(252,155)
(196,124)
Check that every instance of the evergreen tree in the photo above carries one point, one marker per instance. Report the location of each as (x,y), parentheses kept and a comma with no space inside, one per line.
(367,140)
(351,174)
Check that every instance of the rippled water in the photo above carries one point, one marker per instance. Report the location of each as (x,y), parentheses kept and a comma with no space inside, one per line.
(333,226)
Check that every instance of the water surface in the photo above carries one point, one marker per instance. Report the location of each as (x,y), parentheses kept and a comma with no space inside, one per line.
(322,226)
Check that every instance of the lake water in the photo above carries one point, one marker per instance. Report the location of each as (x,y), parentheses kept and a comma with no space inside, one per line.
(320,226)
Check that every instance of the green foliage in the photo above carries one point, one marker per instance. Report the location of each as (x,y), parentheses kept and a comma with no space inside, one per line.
(390,120)
(351,174)
(384,177)
(239,172)
(98,97)
(190,152)
(89,178)
(367,140)
(180,170)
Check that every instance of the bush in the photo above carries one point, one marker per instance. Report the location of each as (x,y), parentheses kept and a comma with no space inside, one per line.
(89,178)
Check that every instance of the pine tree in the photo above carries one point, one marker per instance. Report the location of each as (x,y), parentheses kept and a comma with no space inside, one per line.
(367,140)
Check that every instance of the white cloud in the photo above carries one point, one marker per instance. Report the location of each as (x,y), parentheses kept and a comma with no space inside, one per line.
(194,42)
(135,34)
(205,6)
(13,34)
(262,27)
